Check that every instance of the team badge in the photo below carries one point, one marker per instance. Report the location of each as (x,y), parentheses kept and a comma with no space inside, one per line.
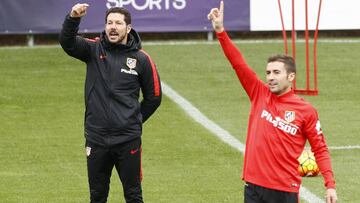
(88,151)
(131,63)
(289,116)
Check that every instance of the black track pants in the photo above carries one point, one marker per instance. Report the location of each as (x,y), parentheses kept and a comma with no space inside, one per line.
(257,194)
(126,158)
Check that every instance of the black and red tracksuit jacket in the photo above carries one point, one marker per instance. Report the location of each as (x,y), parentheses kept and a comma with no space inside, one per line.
(115,75)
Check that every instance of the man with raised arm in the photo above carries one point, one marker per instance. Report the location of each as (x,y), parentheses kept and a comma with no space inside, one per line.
(280,122)
(117,70)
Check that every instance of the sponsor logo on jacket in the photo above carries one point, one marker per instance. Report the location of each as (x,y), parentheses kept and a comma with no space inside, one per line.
(131,63)
(281,124)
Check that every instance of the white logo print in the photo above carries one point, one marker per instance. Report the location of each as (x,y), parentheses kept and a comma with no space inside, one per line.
(318,127)
(280,123)
(88,151)
(148,4)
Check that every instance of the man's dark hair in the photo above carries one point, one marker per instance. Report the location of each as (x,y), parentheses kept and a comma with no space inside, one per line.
(287,60)
(121,10)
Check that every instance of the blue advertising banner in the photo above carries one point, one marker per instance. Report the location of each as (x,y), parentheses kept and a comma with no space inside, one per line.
(46,16)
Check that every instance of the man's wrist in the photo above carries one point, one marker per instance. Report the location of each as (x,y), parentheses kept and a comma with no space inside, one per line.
(72,16)
(220,30)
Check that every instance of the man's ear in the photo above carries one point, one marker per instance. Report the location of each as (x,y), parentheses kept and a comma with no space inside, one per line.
(291,77)
(128,28)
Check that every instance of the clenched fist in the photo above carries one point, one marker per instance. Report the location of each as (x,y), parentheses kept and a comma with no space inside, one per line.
(78,10)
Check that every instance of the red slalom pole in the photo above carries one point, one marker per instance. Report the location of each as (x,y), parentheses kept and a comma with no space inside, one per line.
(283,29)
(307,46)
(293,36)
(308,90)
(315,48)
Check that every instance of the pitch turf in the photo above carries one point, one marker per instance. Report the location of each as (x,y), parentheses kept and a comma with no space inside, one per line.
(42,157)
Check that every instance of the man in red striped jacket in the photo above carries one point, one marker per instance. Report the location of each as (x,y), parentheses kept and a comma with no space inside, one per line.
(280,123)
(117,70)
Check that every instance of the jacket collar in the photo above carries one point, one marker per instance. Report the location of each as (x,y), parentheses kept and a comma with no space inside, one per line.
(133,42)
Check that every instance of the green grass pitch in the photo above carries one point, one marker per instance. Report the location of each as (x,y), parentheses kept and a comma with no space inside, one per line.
(42,156)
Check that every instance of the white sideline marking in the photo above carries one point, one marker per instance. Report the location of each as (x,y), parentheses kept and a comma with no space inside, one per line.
(349,147)
(221,133)
(194,113)
(343,147)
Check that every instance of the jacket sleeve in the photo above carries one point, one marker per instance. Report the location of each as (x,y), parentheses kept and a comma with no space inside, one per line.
(248,78)
(150,87)
(318,146)
(72,44)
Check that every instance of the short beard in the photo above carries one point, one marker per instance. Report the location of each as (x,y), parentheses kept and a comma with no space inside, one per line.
(120,39)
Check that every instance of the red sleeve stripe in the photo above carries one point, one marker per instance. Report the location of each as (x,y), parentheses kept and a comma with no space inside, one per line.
(141,171)
(93,40)
(155,76)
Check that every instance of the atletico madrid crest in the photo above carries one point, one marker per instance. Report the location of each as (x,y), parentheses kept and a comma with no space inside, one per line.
(289,116)
(131,63)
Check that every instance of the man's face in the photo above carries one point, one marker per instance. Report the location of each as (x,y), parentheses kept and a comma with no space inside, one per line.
(278,79)
(116,29)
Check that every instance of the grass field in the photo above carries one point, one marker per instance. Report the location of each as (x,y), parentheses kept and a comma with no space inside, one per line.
(42,157)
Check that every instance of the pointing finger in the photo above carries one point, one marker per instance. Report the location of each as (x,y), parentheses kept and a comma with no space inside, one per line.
(221,6)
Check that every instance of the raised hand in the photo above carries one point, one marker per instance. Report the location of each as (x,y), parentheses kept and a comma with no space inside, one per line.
(78,10)
(216,16)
